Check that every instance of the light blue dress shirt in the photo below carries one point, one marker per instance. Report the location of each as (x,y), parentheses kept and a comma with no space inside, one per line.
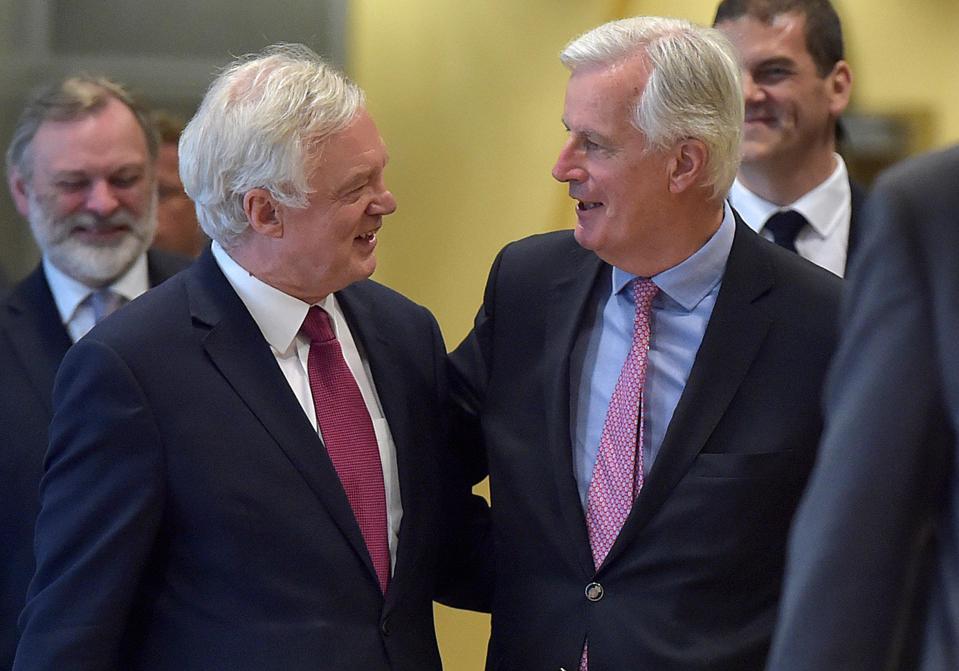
(680,313)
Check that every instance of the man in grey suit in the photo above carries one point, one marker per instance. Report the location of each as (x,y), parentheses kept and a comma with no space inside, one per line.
(873,573)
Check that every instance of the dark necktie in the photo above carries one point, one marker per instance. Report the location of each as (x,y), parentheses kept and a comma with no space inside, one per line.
(349,438)
(785,226)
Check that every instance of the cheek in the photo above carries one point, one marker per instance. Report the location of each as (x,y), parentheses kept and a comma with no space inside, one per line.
(134,200)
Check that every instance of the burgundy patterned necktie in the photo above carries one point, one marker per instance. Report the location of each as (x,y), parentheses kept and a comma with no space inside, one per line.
(618,473)
(348,434)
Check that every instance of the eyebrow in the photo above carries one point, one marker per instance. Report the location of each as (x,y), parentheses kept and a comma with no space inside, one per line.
(774,61)
(591,135)
(77,172)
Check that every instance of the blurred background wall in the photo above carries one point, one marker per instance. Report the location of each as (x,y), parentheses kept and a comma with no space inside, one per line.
(468,97)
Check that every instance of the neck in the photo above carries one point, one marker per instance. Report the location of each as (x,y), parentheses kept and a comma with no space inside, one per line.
(686,230)
(784,183)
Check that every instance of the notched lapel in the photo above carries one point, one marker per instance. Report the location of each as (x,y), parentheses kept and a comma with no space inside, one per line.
(735,332)
(569,297)
(238,350)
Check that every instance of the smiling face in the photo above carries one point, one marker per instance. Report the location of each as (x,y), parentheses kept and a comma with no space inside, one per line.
(619,182)
(90,199)
(791,109)
(330,243)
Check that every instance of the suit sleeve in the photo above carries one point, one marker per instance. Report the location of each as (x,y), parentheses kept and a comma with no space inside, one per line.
(468,371)
(863,525)
(101,502)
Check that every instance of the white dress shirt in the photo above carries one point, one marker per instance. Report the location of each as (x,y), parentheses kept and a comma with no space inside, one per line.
(280,317)
(827,208)
(71,295)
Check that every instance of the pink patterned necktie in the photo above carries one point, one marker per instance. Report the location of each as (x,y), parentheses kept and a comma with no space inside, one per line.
(618,473)
(349,437)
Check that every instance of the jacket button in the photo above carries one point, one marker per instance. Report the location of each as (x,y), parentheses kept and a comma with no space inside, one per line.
(385,626)
(594,591)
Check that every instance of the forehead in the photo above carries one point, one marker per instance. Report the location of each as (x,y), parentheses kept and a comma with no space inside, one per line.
(782,37)
(103,141)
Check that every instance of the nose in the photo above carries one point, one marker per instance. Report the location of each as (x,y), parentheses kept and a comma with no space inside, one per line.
(383,204)
(752,92)
(101,200)
(566,168)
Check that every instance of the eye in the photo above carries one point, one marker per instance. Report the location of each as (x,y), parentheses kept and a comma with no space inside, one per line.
(125,181)
(773,74)
(71,185)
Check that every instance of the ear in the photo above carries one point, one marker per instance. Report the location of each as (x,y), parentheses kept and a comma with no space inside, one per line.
(687,164)
(18,190)
(261,213)
(839,83)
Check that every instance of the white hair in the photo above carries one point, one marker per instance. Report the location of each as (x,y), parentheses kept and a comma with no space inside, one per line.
(693,90)
(261,121)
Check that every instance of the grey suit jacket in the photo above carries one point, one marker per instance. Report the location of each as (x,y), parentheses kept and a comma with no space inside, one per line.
(873,574)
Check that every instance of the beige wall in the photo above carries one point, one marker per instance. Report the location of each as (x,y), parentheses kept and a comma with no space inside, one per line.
(469,97)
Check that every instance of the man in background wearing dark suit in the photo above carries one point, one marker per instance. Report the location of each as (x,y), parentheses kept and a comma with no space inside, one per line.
(80,167)
(792,185)
(257,446)
(873,573)
(647,386)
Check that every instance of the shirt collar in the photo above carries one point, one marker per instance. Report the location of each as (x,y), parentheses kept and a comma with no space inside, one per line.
(689,282)
(817,206)
(278,315)
(69,293)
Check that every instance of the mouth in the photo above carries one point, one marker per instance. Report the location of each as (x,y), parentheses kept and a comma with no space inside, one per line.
(587,205)
(100,233)
(760,117)
(368,238)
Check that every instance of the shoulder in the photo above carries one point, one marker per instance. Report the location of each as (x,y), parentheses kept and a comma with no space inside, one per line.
(543,248)
(792,284)
(927,173)
(150,321)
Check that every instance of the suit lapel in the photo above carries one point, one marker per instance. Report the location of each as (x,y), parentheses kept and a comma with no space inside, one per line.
(569,297)
(736,330)
(38,337)
(238,350)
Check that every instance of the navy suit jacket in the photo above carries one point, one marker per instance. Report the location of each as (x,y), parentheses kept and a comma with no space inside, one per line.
(873,573)
(191,518)
(693,579)
(33,341)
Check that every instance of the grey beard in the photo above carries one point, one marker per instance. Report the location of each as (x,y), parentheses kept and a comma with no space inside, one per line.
(93,265)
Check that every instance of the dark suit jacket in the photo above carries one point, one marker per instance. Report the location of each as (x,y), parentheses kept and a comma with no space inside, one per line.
(33,340)
(859,194)
(191,518)
(873,581)
(692,582)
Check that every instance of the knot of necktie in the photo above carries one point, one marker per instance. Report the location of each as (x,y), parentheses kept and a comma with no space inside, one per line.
(104,303)
(317,326)
(785,226)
